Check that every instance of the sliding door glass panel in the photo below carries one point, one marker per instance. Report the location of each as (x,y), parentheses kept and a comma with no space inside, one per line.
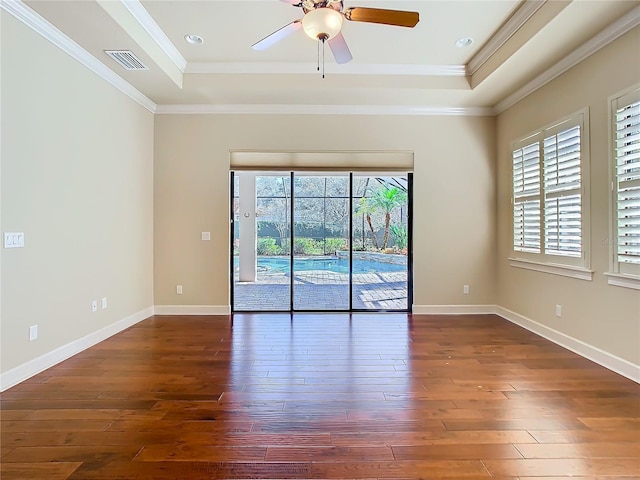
(292,243)
(263,263)
(380,242)
(321,242)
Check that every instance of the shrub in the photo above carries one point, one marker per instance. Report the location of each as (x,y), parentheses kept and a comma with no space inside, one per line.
(400,235)
(267,246)
(304,246)
(333,244)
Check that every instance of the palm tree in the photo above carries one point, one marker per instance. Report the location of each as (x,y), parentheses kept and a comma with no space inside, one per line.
(367,209)
(387,199)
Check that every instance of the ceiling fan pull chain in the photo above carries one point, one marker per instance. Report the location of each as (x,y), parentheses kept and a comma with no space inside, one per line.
(323,58)
(318,56)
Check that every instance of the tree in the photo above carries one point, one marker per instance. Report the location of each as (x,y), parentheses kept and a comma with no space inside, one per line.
(386,200)
(367,208)
(272,203)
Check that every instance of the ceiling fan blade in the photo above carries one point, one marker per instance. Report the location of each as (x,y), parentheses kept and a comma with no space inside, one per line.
(278,35)
(400,18)
(339,48)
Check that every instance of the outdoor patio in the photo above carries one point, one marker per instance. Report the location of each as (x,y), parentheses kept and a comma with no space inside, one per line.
(322,290)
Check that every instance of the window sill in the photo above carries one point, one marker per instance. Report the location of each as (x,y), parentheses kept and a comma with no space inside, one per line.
(556,269)
(622,280)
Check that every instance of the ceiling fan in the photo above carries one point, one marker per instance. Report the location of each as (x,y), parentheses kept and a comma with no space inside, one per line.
(323,20)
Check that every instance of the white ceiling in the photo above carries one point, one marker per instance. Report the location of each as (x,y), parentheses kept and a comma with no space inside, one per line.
(393,68)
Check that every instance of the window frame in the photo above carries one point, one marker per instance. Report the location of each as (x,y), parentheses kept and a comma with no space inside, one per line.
(565,265)
(619,274)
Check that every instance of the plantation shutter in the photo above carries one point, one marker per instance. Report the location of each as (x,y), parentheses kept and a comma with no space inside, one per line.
(550,170)
(627,161)
(563,193)
(526,198)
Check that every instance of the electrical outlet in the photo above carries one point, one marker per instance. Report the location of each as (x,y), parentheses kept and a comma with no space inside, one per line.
(33,332)
(179,289)
(465,289)
(94,306)
(558,310)
(104,302)
(206,235)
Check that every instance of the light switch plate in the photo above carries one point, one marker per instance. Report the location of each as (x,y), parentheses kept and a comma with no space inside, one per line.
(13,239)
(206,235)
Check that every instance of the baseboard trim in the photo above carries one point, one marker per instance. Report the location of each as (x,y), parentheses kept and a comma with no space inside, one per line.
(595,354)
(453,309)
(48,360)
(192,310)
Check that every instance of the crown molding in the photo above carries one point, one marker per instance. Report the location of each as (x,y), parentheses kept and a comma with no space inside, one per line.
(41,26)
(504,33)
(202,109)
(311,68)
(37,23)
(147,22)
(614,31)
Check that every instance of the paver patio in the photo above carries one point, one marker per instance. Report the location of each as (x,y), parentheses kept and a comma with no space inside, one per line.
(322,290)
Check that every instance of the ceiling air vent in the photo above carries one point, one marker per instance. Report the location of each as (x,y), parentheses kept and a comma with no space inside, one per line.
(127,59)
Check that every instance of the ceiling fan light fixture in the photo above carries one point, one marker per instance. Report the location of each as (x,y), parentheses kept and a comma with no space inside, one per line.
(322,23)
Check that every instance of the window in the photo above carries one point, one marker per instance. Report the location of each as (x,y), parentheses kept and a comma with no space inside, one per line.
(626,187)
(549,204)
(526,198)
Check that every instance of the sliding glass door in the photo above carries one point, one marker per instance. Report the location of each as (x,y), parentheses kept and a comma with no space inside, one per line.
(380,239)
(320,242)
(262,241)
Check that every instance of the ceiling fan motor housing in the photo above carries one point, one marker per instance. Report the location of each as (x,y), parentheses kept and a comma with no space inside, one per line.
(309,5)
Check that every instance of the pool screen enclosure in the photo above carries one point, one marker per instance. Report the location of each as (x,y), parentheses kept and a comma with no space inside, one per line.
(306,241)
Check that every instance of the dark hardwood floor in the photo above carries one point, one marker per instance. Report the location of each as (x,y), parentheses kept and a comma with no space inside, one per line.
(323,396)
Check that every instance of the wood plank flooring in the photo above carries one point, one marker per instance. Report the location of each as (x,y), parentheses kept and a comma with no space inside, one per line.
(323,396)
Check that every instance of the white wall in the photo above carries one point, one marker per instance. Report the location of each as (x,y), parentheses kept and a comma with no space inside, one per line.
(454,215)
(603,316)
(112,201)
(77,179)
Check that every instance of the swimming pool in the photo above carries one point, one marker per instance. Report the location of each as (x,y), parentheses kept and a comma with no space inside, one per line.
(282,265)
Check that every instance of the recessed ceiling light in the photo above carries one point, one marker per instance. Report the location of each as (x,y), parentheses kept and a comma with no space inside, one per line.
(464,42)
(194,39)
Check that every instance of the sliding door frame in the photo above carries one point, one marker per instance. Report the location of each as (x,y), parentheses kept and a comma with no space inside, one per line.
(351,241)
(291,250)
(292,234)
(232,237)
